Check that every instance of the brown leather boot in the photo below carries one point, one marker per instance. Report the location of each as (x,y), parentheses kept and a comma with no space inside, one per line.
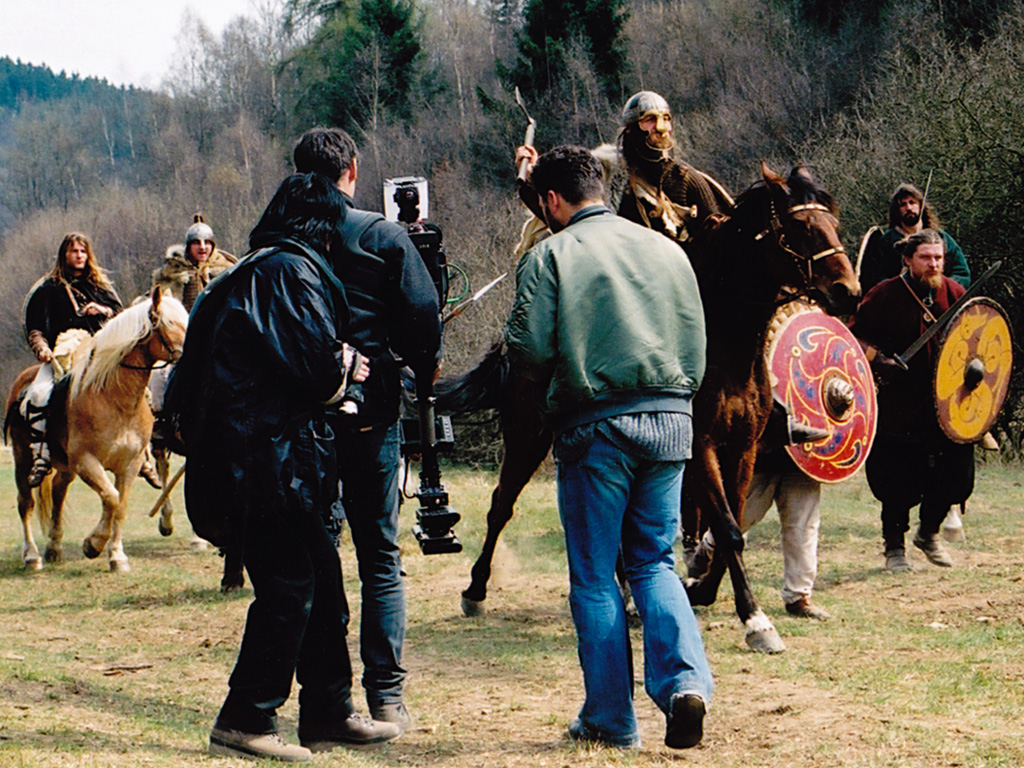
(805,609)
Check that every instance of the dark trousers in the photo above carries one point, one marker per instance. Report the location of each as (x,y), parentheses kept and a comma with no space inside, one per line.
(368,468)
(935,473)
(297,623)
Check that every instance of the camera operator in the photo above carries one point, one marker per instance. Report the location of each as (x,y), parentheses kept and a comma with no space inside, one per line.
(394,314)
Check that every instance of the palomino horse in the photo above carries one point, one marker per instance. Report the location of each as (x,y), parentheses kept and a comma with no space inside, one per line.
(779,233)
(99,421)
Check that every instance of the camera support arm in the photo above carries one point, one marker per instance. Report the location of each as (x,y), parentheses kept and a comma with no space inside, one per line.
(434,518)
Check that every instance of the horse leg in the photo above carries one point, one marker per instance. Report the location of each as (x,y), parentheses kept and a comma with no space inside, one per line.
(233,578)
(706,497)
(30,557)
(52,495)
(522,457)
(93,474)
(117,560)
(161,456)
(761,634)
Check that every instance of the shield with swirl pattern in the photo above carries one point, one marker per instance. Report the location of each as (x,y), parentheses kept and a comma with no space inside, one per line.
(972,370)
(820,373)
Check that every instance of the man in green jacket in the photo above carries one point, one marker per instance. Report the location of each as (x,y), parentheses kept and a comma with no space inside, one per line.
(608,320)
(909,213)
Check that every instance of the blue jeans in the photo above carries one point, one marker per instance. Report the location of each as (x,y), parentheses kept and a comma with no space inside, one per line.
(606,499)
(368,469)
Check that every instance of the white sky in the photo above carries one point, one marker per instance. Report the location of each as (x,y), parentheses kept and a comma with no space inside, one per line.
(125,41)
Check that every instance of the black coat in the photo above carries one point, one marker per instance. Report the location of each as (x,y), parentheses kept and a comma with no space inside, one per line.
(394,306)
(261,358)
(49,308)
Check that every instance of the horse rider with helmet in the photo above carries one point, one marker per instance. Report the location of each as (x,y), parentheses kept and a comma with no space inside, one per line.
(75,294)
(648,184)
(187,270)
(644,181)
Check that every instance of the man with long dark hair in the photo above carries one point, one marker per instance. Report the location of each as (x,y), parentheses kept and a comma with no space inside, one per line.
(75,294)
(263,360)
(909,213)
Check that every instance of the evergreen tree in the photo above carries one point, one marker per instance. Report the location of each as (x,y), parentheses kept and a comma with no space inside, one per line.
(551,30)
(362,65)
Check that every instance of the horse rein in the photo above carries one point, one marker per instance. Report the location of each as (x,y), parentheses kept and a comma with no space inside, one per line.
(775,228)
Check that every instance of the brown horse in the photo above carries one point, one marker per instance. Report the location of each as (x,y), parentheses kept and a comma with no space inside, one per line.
(780,233)
(99,421)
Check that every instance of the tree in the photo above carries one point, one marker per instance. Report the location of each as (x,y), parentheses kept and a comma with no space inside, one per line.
(557,31)
(362,65)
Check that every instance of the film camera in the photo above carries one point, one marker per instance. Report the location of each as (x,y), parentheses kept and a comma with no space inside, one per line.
(406,201)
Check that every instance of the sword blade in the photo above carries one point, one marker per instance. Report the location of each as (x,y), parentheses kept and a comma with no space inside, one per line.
(460,308)
(946,316)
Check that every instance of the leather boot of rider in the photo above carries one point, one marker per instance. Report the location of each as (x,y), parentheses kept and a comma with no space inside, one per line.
(36,417)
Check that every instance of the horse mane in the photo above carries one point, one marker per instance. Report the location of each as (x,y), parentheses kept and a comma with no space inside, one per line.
(804,188)
(116,339)
(800,187)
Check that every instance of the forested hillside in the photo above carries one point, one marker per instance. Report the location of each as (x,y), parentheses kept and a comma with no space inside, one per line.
(867,94)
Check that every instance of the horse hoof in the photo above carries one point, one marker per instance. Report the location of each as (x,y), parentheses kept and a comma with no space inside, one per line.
(33,563)
(53,555)
(89,550)
(766,641)
(227,586)
(119,566)
(198,545)
(762,636)
(165,530)
(473,607)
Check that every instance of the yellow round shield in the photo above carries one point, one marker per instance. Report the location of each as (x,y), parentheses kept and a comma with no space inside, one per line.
(972,371)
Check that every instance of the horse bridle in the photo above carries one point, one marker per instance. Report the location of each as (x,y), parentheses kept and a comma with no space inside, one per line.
(157,364)
(775,227)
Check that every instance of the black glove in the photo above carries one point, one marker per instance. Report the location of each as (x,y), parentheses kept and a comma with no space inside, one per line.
(886,368)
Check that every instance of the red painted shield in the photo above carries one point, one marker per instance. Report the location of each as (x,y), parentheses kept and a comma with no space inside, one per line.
(819,371)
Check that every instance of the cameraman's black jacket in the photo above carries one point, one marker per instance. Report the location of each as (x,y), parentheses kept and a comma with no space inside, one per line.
(394,309)
(262,356)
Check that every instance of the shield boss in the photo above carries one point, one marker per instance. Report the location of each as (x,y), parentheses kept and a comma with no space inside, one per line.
(819,371)
(972,370)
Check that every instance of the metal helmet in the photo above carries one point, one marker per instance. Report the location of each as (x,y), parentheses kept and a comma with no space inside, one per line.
(640,104)
(199,231)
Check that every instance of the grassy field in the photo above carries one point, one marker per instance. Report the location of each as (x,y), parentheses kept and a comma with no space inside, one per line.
(918,670)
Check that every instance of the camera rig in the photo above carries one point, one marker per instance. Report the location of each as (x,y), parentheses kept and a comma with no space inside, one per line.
(420,435)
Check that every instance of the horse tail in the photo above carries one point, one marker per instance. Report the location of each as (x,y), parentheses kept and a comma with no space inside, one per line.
(478,389)
(44,504)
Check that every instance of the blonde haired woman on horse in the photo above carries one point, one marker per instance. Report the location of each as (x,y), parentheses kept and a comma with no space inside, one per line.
(75,294)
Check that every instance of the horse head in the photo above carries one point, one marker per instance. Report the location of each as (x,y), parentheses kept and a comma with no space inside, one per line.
(801,232)
(169,321)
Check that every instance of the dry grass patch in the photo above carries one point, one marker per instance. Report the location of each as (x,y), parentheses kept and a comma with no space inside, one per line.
(915,671)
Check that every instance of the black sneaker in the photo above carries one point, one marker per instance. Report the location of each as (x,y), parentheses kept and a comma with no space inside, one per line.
(356,730)
(256,745)
(685,721)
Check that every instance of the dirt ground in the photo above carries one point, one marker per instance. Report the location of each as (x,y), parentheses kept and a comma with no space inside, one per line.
(913,671)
